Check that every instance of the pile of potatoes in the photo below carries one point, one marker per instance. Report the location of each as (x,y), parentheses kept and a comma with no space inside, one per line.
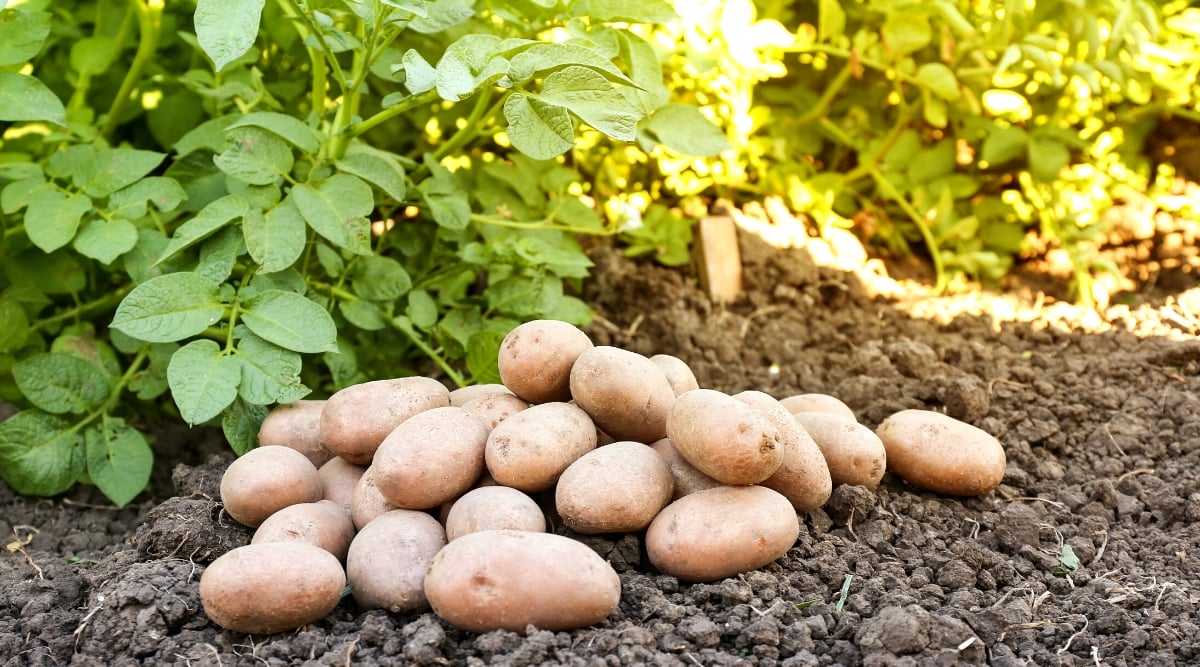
(411,496)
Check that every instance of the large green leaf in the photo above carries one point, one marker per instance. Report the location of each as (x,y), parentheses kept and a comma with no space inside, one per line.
(641,11)
(683,129)
(22,33)
(337,209)
(114,168)
(290,320)
(589,95)
(240,422)
(270,374)
(60,383)
(40,454)
(23,97)
(119,460)
(169,307)
(226,29)
(106,240)
(277,239)
(52,218)
(377,168)
(256,156)
(537,129)
(289,128)
(212,218)
(203,381)
(380,279)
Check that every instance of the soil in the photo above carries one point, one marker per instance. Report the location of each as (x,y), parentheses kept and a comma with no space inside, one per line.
(1099,413)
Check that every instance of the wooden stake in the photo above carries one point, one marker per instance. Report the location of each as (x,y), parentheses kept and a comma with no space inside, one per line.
(719,258)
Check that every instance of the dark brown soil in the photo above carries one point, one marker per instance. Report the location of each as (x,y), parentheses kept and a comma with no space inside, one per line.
(1099,414)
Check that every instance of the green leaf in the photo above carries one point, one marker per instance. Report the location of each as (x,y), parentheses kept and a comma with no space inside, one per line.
(643,11)
(114,168)
(831,20)
(133,202)
(1003,144)
(422,310)
(22,33)
(151,382)
(73,163)
(290,320)
(40,454)
(379,279)
(419,75)
(203,381)
(212,218)
(468,63)
(644,69)
(905,32)
(1068,562)
(275,240)
(169,307)
(106,240)
(240,422)
(270,374)
(940,79)
(442,15)
(289,128)
(226,29)
(337,210)
(447,201)
(60,383)
(23,97)
(537,129)
(483,350)
(119,460)
(93,54)
(1047,157)
(219,254)
(256,156)
(52,217)
(683,129)
(544,56)
(362,314)
(378,169)
(14,324)
(209,135)
(589,95)
(16,195)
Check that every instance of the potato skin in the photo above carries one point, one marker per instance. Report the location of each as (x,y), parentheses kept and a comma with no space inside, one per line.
(615,488)
(297,425)
(323,524)
(389,557)
(720,532)
(686,477)
(493,508)
(368,502)
(493,408)
(536,357)
(854,453)
(463,395)
(431,458)
(266,479)
(508,579)
(266,588)
(803,475)
(817,403)
(624,393)
(679,374)
(338,479)
(936,452)
(723,437)
(529,450)
(356,419)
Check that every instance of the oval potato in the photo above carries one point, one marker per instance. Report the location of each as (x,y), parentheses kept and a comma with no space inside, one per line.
(679,374)
(368,502)
(463,395)
(536,357)
(493,508)
(939,453)
(389,557)
(803,475)
(687,479)
(624,393)
(529,450)
(296,425)
(431,458)
(356,419)
(817,403)
(616,488)
(323,524)
(491,409)
(723,437)
(267,479)
(855,455)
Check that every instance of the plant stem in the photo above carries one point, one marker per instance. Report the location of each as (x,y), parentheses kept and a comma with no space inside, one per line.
(888,190)
(822,106)
(103,303)
(470,127)
(454,375)
(546,224)
(865,168)
(149,15)
(391,112)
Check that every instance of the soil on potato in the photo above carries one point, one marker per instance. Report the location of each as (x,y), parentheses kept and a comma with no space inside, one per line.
(1099,415)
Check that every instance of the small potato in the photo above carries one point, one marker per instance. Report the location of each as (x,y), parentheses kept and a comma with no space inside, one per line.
(389,557)
(491,409)
(266,588)
(463,395)
(267,479)
(322,524)
(720,532)
(939,453)
(624,393)
(724,438)
(855,455)
(357,419)
(508,579)
(817,403)
(368,502)
(536,357)
(678,373)
(338,479)
(686,478)
(529,450)
(493,508)
(296,425)
(616,488)
(803,476)
(431,458)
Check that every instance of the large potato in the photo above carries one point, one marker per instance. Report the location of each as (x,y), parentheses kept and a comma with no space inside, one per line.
(368,502)
(616,488)
(678,373)
(338,479)
(494,408)
(536,357)
(529,450)
(267,479)
(323,524)
(803,475)
(720,532)
(624,392)
(389,557)
(431,458)
(493,508)
(356,419)
(817,403)
(508,579)
(854,453)
(685,475)
(296,425)
(463,395)
(272,587)
(724,438)
(933,451)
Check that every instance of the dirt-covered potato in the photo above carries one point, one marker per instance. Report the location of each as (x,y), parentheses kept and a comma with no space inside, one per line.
(266,588)
(803,476)
(854,453)
(323,524)
(720,532)
(389,557)
(615,488)
(267,479)
(338,479)
(296,425)
(368,502)
(723,437)
(508,580)
(624,392)
(431,458)
(678,373)
(817,403)
(529,450)
(939,453)
(495,407)
(356,419)
(536,357)
(463,395)
(493,508)
(687,479)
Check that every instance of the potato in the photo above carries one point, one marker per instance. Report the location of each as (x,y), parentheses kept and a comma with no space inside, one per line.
(625,393)
(721,532)
(357,419)
(939,453)
(267,479)
(803,476)
(536,357)
(723,437)
(463,395)
(322,524)
(529,450)
(368,502)
(493,508)
(679,374)
(296,425)
(266,588)
(854,453)
(431,458)
(817,403)
(491,409)
(389,557)
(338,479)
(508,579)
(616,488)
(685,476)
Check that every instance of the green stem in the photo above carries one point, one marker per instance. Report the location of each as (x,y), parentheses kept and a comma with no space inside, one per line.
(296,13)
(149,15)
(454,375)
(822,107)
(544,224)
(888,190)
(115,396)
(393,111)
(865,168)
(470,127)
(103,303)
